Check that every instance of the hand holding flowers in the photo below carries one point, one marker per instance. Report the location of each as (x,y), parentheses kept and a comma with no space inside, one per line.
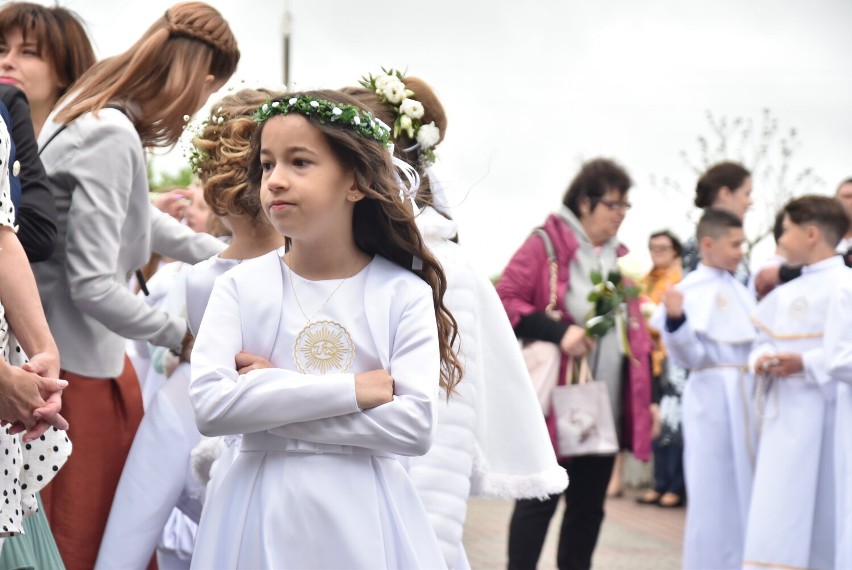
(609,306)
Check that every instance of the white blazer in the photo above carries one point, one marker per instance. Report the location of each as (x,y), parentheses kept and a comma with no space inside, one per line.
(244,313)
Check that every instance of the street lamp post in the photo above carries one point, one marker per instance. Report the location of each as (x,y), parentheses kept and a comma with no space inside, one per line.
(287,26)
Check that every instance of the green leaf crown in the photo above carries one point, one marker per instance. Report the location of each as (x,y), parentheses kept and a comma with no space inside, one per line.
(327,112)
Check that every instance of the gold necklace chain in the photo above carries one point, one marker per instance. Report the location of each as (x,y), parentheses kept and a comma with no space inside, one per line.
(299,304)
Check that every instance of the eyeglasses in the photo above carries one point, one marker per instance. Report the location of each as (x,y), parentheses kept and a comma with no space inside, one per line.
(616,206)
(659,248)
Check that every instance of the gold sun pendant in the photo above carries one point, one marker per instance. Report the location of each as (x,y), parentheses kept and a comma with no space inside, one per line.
(323,347)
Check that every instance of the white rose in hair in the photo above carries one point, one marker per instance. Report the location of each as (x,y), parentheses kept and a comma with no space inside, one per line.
(412,108)
(428,135)
(382,81)
(395,92)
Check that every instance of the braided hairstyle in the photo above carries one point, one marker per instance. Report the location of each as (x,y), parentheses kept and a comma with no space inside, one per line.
(162,74)
(224,145)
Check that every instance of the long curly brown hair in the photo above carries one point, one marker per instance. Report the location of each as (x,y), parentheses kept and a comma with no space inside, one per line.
(225,145)
(382,222)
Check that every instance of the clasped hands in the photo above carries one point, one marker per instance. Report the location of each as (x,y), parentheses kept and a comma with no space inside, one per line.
(31,396)
(780,364)
(372,388)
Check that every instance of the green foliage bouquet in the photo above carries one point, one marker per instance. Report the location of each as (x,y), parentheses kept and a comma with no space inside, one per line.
(609,299)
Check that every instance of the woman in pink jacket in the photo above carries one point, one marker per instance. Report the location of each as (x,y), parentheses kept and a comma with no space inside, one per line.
(583,237)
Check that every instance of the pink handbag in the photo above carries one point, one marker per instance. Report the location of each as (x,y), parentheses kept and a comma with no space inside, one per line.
(543,358)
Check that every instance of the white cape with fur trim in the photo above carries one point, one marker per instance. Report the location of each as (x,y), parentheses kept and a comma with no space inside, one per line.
(491,438)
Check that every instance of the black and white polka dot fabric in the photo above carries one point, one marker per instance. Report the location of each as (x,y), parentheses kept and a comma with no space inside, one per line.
(25,468)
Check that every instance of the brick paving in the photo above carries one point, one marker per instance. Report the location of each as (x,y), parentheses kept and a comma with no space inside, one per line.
(633,537)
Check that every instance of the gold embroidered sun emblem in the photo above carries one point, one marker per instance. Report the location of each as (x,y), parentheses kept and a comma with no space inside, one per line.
(323,347)
(798,310)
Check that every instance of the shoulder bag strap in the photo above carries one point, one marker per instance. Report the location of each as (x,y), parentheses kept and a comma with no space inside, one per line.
(551,258)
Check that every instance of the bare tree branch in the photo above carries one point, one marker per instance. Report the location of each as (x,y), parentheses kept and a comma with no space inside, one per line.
(767,152)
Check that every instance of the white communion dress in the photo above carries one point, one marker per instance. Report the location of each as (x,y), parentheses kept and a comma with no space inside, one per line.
(318,482)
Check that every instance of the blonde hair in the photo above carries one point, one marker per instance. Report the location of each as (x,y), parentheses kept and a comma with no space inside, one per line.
(169,63)
(224,145)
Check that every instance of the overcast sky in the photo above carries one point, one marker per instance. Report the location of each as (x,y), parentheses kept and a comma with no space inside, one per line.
(533,88)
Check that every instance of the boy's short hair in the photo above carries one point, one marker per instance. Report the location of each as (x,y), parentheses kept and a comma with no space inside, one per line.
(778,226)
(715,223)
(825,213)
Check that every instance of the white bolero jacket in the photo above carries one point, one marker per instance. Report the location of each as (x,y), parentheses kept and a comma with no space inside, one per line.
(316,414)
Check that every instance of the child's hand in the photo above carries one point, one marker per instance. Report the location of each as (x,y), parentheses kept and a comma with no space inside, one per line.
(673,302)
(373,388)
(781,364)
(246,362)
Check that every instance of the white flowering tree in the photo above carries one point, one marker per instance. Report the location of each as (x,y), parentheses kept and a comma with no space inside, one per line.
(762,146)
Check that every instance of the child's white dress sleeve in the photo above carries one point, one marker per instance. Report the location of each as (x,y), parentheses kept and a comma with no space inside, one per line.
(226,402)
(315,408)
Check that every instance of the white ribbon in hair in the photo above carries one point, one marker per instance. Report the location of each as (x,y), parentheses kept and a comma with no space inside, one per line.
(408,179)
(409,183)
(439,196)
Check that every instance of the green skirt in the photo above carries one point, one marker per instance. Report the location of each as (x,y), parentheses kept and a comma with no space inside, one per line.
(33,550)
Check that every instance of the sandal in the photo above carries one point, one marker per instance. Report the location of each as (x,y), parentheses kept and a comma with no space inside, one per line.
(651,497)
(671,501)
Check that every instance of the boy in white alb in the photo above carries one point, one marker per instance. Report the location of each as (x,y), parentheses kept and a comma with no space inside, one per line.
(792,518)
(838,355)
(707,329)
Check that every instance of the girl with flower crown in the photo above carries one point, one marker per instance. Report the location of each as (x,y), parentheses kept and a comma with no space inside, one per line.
(327,355)
(93,149)
(157,478)
(491,438)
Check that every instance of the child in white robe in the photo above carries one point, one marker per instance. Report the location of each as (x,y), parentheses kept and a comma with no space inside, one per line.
(792,518)
(491,439)
(157,489)
(838,348)
(706,327)
(328,357)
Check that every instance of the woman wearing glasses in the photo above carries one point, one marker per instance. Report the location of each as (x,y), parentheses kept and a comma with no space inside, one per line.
(582,235)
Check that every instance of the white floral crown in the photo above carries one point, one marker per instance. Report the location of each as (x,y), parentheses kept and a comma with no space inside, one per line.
(342,114)
(391,90)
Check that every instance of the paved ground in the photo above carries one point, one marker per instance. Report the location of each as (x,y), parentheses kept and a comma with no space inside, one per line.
(633,537)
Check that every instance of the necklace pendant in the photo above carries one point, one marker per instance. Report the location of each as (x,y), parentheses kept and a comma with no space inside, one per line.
(323,347)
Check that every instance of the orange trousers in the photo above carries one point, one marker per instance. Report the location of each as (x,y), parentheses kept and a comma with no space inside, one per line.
(103,414)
